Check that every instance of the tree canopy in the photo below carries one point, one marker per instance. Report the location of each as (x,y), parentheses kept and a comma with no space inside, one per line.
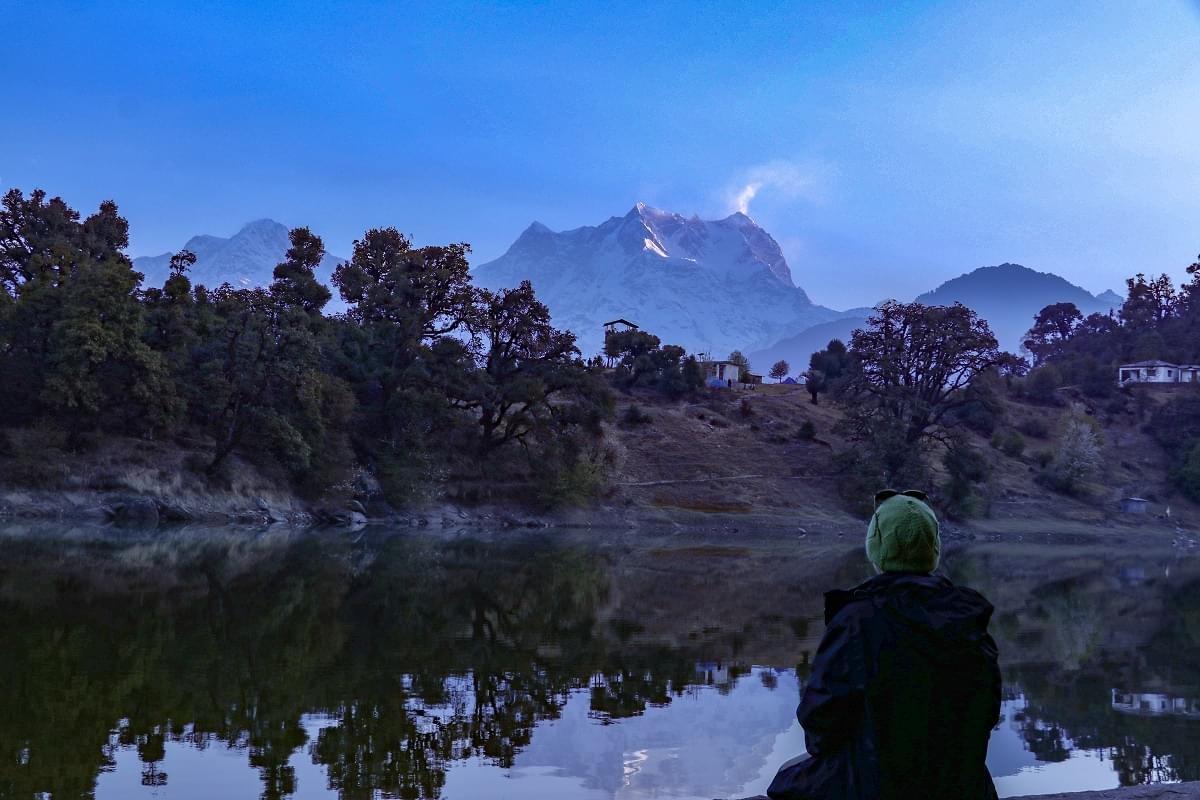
(421,375)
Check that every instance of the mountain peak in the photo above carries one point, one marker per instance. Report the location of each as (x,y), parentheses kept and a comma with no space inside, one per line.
(714,285)
(264,226)
(247,258)
(1009,295)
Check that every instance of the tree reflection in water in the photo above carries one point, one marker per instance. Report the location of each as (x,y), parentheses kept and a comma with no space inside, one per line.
(418,652)
(1071,642)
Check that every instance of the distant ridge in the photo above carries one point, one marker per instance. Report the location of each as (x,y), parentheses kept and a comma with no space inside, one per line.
(1008,296)
(247,258)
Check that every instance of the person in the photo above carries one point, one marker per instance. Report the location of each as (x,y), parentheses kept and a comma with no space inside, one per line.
(905,685)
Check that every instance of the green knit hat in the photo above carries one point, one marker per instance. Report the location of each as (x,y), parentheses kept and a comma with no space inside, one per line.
(903,533)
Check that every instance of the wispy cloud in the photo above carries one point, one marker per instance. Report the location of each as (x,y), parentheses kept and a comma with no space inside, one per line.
(788,179)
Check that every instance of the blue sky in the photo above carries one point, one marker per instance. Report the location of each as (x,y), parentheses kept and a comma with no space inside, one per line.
(894,145)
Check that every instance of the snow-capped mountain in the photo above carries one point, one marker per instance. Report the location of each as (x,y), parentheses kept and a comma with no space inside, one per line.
(708,285)
(247,258)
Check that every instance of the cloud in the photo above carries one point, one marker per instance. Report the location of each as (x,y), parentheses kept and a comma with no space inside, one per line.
(788,179)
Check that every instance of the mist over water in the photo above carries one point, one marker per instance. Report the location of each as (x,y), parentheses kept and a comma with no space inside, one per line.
(282,663)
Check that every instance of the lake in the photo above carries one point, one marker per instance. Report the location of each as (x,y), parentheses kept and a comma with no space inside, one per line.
(278,663)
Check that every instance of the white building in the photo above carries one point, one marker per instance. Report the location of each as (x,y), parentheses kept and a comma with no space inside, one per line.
(1157,372)
(725,371)
(1155,704)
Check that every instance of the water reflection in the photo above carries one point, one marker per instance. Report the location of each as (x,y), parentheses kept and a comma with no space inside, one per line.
(417,667)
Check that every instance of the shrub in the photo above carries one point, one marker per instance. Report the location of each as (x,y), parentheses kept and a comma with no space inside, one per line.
(966,468)
(1077,458)
(807,431)
(859,479)
(1011,443)
(1043,458)
(1187,477)
(979,417)
(745,408)
(633,415)
(1042,385)
(1035,427)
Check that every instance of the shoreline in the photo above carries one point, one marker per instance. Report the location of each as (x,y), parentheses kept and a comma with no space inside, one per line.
(151,510)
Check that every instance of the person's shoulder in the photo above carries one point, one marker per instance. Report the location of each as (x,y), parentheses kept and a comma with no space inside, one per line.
(843,607)
(968,594)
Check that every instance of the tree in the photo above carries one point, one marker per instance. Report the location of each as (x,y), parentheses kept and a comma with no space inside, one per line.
(1148,303)
(524,362)
(779,370)
(642,360)
(403,300)
(814,381)
(834,362)
(70,321)
(259,376)
(295,283)
(1052,327)
(630,350)
(915,362)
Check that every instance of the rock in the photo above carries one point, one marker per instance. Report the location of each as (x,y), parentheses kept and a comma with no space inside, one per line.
(270,513)
(174,512)
(141,512)
(340,517)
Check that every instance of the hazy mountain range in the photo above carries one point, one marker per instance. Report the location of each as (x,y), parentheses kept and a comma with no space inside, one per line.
(247,258)
(710,285)
(1008,296)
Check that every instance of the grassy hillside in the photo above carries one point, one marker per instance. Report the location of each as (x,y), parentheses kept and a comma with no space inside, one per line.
(769,453)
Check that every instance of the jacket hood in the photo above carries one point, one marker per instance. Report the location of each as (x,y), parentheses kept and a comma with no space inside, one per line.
(930,608)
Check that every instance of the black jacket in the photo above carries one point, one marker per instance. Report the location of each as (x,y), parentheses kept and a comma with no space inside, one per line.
(904,693)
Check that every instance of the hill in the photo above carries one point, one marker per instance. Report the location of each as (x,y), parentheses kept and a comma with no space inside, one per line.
(1008,296)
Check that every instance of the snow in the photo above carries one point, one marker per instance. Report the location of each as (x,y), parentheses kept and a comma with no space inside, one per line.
(709,285)
(246,259)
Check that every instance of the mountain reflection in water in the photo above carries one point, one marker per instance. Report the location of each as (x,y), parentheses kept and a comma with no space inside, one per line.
(315,664)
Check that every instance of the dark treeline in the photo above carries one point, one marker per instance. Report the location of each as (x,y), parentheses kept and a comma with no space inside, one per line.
(244,646)
(425,377)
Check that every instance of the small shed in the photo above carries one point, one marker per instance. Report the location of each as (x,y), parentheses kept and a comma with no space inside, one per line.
(1134,505)
(619,326)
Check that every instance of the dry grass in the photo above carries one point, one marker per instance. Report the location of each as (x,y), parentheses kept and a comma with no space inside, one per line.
(702,551)
(706,506)
(739,453)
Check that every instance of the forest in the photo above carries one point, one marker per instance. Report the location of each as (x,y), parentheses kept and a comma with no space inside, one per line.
(433,385)
(425,376)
